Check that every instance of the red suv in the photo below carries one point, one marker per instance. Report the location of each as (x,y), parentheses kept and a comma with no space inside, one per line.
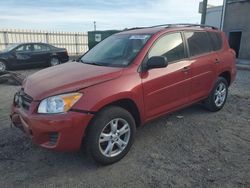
(125,81)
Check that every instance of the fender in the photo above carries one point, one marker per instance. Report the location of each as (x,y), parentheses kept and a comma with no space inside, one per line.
(88,103)
(121,96)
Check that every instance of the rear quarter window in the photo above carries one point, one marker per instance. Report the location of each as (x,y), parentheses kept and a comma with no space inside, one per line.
(216,40)
(198,42)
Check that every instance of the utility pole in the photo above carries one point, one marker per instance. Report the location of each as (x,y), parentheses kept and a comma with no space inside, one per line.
(223,14)
(94,25)
(204,12)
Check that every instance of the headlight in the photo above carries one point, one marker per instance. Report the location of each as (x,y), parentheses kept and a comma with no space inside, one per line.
(58,104)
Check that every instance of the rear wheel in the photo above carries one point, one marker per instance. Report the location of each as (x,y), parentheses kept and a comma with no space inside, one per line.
(2,66)
(111,135)
(54,61)
(218,96)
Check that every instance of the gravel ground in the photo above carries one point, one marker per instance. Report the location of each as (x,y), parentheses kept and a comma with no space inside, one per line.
(189,148)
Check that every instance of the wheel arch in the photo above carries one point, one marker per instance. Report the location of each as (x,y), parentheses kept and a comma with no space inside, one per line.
(129,105)
(227,76)
(54,55)
(126,103)
(130,101)
(5,62)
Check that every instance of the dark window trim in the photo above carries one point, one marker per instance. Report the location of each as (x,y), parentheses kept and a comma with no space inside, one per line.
(187,54)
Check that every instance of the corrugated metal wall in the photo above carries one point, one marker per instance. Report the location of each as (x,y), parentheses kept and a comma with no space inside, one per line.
(75,43)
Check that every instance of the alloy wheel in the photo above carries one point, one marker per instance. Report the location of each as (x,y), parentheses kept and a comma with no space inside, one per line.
(114,137)
(2,66)
(220,94)
(54,62)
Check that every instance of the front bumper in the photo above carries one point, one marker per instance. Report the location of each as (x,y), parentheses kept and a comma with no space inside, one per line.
(60,132)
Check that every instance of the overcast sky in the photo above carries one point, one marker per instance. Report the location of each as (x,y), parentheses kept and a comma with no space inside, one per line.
(78,15)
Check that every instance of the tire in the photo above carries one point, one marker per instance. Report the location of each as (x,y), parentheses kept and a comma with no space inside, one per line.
(54,61)
(106,144)
(218,96)
(3,66)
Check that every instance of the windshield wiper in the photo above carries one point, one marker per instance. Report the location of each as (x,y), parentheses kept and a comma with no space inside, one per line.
(91,63)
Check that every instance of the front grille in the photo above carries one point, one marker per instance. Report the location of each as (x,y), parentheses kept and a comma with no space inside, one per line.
(53,136)
(23,100)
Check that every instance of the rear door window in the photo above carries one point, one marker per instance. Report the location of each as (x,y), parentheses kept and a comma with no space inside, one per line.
(198,42)
(216,40)
(40,48)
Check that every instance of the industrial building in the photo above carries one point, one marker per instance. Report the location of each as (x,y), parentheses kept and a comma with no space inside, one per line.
(237,26)
(214,16)
(235,23)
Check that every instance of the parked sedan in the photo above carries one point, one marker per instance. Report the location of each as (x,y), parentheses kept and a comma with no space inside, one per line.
(31,54)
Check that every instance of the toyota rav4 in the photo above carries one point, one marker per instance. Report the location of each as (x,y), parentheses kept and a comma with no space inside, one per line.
(125,81)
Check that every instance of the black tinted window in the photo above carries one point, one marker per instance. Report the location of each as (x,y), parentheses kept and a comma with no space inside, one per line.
(24,48)
(170,46)
(198,43)
(40,47)
(216,40)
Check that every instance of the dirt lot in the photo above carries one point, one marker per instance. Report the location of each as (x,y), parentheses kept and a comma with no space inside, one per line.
(190,148)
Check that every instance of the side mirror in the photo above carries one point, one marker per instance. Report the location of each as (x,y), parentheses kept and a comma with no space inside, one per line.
(156,62)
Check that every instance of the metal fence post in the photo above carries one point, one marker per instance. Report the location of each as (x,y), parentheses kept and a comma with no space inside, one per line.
(6,39)
(47,37)
(76,43)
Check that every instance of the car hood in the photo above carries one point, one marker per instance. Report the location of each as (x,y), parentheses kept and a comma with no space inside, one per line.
(67,77)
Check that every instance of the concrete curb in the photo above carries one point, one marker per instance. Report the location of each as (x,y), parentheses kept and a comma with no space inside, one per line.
(243,64)
(243,67)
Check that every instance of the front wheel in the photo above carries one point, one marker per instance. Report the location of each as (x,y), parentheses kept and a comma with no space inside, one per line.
(218,96)
(111,135)
(2,66)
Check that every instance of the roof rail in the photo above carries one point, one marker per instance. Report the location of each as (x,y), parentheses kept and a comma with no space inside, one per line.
(185,25)
(174,25)
(132,28)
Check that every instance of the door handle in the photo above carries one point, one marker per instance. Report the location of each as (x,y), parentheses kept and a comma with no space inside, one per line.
(217,61)
(186,69)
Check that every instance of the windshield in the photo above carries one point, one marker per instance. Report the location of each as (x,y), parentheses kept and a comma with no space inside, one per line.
(116,50)
(10,47)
